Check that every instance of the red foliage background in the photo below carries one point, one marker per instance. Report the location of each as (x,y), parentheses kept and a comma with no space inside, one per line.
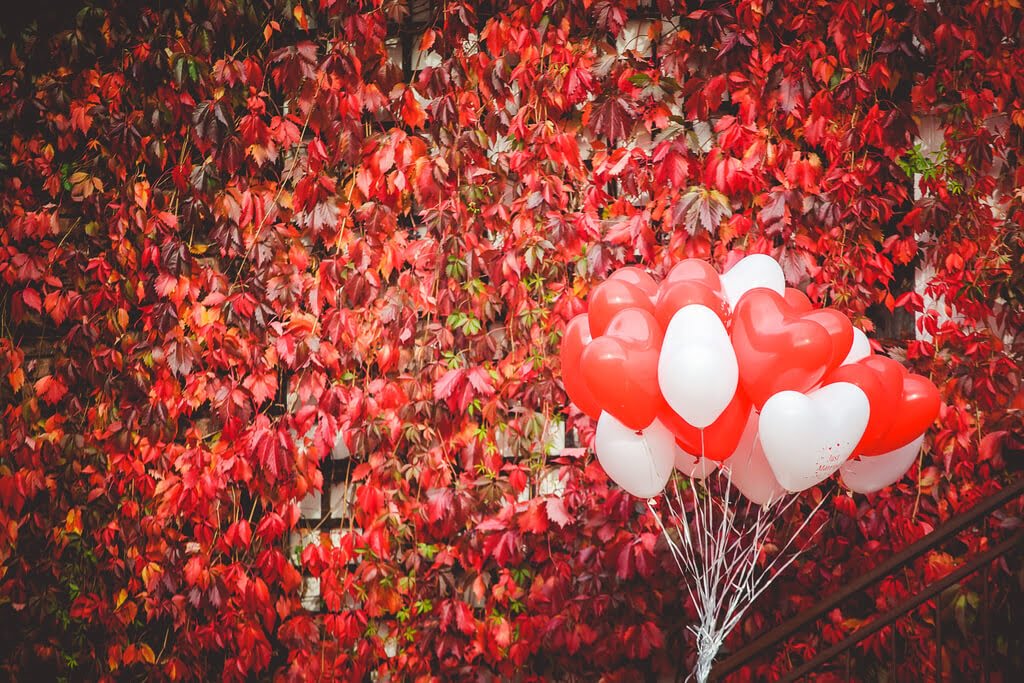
(234,233)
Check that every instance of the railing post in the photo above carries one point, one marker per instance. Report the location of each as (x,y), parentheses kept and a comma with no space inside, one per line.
(985,576)
(938,638)
(894,675)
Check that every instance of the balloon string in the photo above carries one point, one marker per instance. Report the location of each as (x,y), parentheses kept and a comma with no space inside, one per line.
(650,455)
(702,442)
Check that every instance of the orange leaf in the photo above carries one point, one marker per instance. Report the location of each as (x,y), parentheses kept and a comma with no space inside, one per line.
(427,41)
(412,112)
(73,524)
(146,654)
(17,378)
(300,17)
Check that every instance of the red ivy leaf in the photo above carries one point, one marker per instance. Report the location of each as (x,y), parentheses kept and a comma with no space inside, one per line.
(446,385)
(439,504)
(57,305)
(533,520)
(456,614)
(797,264)
(643,639)
(502,547)
(701,208)
(557,512)
(51,389)
(991,445)
(179,358)
(481,381)
(262,386)
(32,300)
(673,170)
(613,118)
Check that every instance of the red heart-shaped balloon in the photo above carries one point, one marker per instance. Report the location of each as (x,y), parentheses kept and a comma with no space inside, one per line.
(720,438)
(839,328)
(610,297)
(574,341)
(890,372)
(621,368)
(638,277)
(882,402)
(694,270)
(775,348)
(797,300)
(635,324)
(918,406)
(679,294)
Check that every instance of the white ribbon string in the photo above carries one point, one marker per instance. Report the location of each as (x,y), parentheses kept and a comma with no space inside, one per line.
(720,556)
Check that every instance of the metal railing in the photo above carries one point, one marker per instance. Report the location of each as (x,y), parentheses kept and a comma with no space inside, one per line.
(897,561)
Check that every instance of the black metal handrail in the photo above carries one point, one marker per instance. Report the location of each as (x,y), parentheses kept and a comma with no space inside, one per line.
(950,528)
(907,606)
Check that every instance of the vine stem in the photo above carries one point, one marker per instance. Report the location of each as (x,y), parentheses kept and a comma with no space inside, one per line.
(290,171)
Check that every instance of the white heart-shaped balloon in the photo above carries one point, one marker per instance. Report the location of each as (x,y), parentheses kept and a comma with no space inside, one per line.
(697,369)
(692,465)
(641,463)
(749,471)
(807,437)
(756,270)
(861,347)
(874,473)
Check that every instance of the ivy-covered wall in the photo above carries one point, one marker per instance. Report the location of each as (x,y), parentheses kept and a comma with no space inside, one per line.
(236,236)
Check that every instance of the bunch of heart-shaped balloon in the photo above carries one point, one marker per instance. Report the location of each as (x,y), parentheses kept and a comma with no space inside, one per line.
(738,371)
